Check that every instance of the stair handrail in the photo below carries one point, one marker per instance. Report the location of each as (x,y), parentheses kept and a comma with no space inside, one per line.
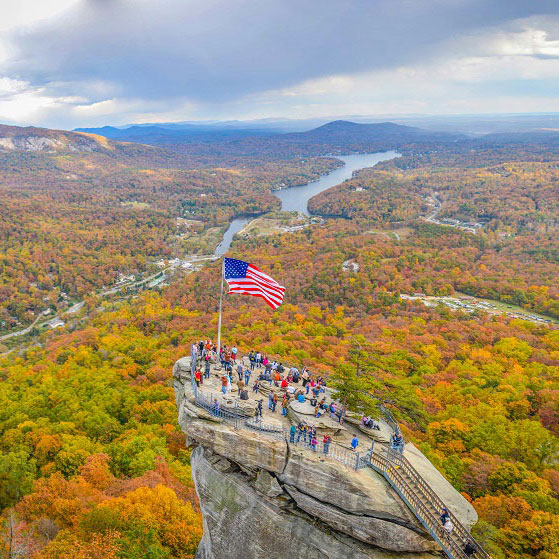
(434,499)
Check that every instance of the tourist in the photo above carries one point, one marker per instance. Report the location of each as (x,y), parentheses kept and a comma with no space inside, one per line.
(280,369)
(312,435)
(354,443)
(316,391)
(270,400)
(370,423)
(240,385)
(397,442)
(258,359)
(252,359)
(198,378)
(314,441)
(448,527)
(234,353)
(301,398)
(247,376)
(284,384)
(326,442)
(207,369)
(256,386)
(469,549)
(445,515)
(240,371)
(333,411)
(259,408)
(300,431)
(224,381)
(215,407)
(274,402)
(284,406)
(265,361)
(292,431)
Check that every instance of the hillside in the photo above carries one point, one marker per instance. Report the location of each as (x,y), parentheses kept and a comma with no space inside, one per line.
(335,137)
(15,138)
(78,212)
(88,423)
(160,135)
(345,132)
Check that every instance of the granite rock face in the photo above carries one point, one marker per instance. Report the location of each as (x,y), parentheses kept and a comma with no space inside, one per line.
(240,522)
(261,497)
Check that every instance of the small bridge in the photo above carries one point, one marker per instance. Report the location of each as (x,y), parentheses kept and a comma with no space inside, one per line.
(411,487)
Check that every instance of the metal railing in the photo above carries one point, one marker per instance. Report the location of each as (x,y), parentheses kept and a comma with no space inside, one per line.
(411,482)
(238,420)
(416,493)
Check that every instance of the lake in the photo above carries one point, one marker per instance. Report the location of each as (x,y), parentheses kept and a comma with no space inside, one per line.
(296,198)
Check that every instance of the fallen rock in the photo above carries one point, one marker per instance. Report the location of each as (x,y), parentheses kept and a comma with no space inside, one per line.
(267,484)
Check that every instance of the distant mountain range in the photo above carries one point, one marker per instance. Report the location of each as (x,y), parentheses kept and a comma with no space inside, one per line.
(344,132)
(158,135)
(339,136)
(338,133)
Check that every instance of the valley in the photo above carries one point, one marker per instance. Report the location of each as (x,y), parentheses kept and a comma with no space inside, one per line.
(387,299)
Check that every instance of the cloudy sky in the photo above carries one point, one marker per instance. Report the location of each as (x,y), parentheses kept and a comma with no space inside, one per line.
(67,63)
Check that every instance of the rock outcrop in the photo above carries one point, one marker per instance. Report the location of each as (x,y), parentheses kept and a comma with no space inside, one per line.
(262,497)
(15,138)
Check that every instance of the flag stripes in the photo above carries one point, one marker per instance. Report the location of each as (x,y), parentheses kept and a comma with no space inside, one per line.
(247,279)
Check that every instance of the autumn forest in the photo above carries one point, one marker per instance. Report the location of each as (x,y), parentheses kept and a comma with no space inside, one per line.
(93,463)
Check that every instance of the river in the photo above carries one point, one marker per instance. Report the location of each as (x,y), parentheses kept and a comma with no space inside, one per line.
(296,198)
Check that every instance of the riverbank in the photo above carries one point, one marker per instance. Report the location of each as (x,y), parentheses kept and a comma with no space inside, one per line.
(296,198)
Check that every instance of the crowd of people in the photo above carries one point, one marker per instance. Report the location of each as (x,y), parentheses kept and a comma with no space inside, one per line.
(293,384)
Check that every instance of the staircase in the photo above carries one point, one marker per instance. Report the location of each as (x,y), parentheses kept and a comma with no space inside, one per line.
(423,502)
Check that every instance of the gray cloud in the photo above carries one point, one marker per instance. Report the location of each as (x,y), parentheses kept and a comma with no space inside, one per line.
(220,50)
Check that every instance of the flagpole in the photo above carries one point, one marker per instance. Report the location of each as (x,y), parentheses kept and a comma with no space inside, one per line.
(220,305)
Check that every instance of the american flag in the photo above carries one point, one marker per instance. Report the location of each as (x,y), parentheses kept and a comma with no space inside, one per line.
(247,279)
